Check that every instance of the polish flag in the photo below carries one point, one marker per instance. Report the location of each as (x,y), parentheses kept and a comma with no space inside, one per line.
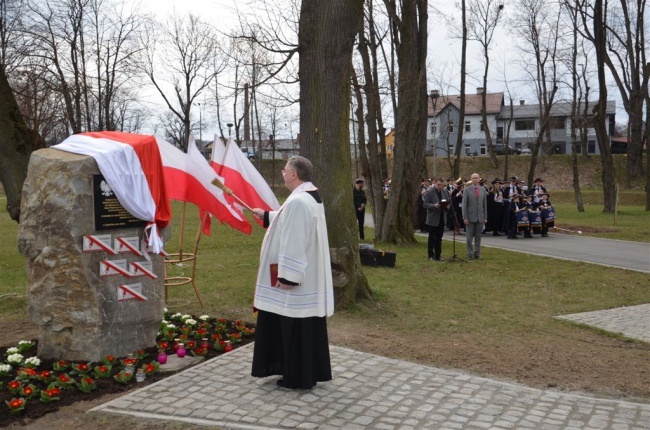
(242,177)
(189,179)
(132,166)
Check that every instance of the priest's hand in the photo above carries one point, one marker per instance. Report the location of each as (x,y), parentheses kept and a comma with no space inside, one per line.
(258,213)
(283,286)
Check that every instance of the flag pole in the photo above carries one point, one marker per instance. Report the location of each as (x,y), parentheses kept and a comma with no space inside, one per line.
(228,191)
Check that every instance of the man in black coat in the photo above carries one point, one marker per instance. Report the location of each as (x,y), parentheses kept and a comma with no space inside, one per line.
(360,201)
(435,201)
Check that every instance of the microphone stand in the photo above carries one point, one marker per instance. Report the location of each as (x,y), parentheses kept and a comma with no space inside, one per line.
(454,257)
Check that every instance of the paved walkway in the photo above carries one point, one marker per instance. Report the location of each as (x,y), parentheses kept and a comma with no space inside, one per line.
(607,252)
(368,392)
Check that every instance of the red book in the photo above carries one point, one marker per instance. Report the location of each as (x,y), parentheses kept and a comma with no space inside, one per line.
(274,274)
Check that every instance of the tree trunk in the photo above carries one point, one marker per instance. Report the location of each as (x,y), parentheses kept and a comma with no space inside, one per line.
(600,114)
(16,145)
(463,67)
(410,132)
(327,29)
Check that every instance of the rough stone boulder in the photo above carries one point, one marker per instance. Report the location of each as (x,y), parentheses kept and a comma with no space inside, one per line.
(77,312)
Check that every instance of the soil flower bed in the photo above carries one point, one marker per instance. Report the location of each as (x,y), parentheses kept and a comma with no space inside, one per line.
(31,387)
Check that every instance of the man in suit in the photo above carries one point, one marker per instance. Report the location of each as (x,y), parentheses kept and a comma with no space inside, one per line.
(435,201)
(474,216)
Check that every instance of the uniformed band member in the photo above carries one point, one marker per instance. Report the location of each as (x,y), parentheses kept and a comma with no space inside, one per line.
(360,201)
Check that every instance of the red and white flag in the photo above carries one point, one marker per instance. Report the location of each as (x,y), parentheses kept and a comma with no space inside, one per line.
(189,179)
(242,177)
(131,165)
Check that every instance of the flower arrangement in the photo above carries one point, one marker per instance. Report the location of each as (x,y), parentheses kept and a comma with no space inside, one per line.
(25,377)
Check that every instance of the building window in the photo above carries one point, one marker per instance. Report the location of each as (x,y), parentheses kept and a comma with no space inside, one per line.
(468,126)
(558,123)
(483,149)
(434,128)
(482,126)
(525,124)
(451,127)
(591,147)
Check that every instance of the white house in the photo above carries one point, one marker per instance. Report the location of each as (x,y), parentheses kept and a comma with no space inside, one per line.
(444,113)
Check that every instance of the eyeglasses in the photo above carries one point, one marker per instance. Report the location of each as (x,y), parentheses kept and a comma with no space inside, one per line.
(286,170)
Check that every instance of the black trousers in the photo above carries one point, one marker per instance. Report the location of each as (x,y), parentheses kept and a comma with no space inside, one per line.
(435,240)
(361,219)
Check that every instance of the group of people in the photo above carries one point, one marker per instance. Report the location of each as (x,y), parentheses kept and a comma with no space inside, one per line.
(502,208)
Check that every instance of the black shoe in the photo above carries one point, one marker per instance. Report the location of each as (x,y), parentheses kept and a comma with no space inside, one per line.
(544,235)
(439,259)
(477,257)
(496,234)
(432,259)
(514,237)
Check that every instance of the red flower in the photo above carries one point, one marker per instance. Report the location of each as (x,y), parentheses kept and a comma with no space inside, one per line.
(54,391)
(46,374)
(82,367)
(64,378)
(191,344)
(27,391)
(16,403)
(88,380)
(14,386)
(130,361)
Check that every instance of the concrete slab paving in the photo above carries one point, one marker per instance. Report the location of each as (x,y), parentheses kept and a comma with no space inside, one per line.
(368,392)
(629,321)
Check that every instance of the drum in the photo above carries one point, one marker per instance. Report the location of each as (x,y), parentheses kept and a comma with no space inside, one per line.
(523,223)
(548,217)
(535,218)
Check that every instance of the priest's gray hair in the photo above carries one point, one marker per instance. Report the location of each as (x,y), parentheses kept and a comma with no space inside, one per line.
(303,167)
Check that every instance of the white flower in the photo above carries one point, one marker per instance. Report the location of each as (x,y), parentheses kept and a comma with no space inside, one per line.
(190,321)
(176,315)
(12,350)
(25,342)
(204,317)
(186,317)
(165,310)
(33,361)
(4,368)
(170,326)
(15,358)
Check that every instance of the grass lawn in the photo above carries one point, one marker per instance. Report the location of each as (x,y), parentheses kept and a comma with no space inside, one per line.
(507,290)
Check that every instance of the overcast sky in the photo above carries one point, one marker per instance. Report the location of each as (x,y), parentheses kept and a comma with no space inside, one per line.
(444,50)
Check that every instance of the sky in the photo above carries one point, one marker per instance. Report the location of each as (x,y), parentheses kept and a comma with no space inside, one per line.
(443,56)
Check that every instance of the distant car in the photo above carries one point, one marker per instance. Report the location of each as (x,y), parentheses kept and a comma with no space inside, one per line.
(250,153)
(526,151)
(500,149)
(471,153)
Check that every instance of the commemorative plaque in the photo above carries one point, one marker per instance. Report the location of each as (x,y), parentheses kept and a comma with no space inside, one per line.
(109,213)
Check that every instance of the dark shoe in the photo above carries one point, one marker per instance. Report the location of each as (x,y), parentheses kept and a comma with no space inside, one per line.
(496,234)
(544,234)
(470,257)
(528,236)
(439,259)
(477,257)
(513,237)
(432,259)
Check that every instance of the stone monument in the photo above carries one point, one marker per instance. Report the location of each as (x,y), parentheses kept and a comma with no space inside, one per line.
(93,289)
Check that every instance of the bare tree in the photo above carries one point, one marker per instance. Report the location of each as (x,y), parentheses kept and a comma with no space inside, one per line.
(182,62)
(537,21)
(326,36)
(409,28)
(483,19)
(625,31)
(17,142)
(600,111)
